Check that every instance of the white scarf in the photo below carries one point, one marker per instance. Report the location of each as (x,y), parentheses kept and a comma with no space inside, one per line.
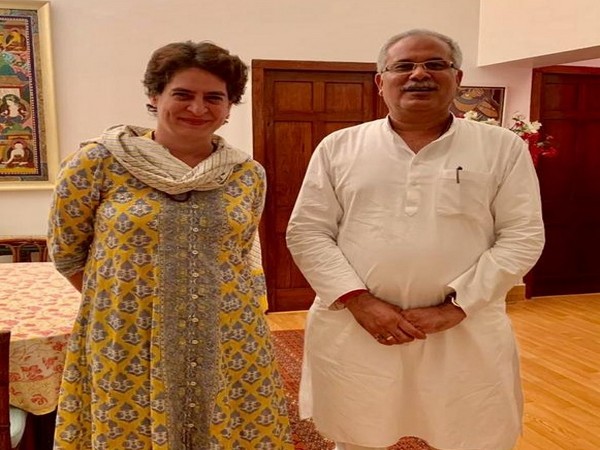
(153,164)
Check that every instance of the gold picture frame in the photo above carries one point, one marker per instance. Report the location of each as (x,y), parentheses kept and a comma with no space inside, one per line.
(28,131)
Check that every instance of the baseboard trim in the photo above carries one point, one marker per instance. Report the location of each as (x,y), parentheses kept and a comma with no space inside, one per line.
(516,293)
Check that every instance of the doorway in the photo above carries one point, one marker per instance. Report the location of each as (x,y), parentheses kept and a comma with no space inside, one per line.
(565,99)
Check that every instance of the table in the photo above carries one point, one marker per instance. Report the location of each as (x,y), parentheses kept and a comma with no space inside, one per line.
(39,306)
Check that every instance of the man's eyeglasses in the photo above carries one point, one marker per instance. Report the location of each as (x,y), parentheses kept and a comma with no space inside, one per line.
(433,65)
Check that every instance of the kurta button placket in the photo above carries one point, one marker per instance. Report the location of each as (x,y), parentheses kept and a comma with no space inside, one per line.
(413,196)
(194,252)
(195,229)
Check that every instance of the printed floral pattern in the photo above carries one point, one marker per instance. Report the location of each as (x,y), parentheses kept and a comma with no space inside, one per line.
(170,349)
(39,306)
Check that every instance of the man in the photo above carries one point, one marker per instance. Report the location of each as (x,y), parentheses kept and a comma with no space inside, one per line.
(411,230)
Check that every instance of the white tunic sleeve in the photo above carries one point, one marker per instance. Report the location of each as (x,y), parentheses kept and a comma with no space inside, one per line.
(312,233)
(519,233)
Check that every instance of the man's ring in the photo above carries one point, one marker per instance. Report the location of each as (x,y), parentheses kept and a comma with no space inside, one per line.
(389,338)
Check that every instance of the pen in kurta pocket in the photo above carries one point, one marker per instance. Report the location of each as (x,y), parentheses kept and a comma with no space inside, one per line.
(458,169)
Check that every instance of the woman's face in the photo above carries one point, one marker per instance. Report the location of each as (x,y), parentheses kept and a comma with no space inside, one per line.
(193,105)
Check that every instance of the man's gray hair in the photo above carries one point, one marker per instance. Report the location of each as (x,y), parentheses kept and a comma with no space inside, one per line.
(455,51)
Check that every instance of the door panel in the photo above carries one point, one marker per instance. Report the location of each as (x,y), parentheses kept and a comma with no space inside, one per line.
(344,97)
(293,96)
(295,105)
(295,139)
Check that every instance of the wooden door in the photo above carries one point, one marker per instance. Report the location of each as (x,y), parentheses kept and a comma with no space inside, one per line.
(566,100)
(295,104)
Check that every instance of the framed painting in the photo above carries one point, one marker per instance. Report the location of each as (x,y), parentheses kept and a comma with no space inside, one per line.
(487,102)
(28,132)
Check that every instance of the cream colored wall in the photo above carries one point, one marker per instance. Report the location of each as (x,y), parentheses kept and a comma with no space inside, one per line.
(101,48)
(587,63)
(540,32)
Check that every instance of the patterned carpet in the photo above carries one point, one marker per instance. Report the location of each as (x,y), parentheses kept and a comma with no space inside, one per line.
(288,347)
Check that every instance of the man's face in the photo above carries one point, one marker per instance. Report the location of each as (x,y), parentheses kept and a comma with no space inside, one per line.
(420,90)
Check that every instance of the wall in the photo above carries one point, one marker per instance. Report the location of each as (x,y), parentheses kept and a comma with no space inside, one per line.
(101,48)
(587,63)
(539,32)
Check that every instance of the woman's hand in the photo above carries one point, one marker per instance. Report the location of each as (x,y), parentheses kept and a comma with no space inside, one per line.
(76,280)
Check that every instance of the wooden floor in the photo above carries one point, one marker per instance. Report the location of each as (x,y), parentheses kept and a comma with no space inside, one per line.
(559,340)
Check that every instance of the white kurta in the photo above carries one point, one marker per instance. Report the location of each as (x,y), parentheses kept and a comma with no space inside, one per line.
(373,214)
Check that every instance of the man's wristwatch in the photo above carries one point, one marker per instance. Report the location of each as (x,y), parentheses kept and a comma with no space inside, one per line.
(340,303)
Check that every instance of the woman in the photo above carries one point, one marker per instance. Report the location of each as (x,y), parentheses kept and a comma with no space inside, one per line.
(171,349)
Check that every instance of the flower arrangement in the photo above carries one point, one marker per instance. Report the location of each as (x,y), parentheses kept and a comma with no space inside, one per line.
(526,130)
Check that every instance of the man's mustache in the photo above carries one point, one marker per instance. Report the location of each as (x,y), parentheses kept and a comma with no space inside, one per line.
(419,87)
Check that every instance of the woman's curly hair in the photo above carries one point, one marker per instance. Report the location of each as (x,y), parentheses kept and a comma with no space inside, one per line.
(172,58)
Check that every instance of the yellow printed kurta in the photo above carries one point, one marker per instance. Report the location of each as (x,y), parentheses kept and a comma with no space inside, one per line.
(171,349)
